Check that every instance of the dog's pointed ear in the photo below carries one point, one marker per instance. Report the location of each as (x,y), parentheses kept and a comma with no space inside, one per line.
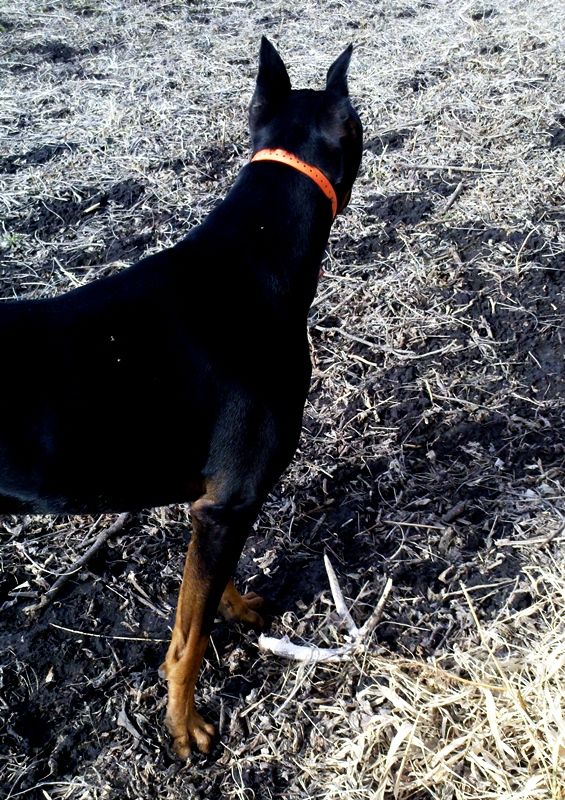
(337,107)
(273,85)
(336,81)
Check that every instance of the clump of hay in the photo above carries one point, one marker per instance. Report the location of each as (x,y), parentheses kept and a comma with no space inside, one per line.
(485,721)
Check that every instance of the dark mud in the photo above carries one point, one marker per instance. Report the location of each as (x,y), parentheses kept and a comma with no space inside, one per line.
(557,133)
(423,78)
(48,216)
(389,140)
(38,155)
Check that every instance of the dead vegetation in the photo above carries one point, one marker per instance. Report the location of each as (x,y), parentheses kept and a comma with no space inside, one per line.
(433,441)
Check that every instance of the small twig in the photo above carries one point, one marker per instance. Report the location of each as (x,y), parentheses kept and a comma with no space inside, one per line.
(522,247)
(144,598)
(78,632)
(533,542)
(393,523)
(453,197)
(54,590)
(450,168)
(454,512)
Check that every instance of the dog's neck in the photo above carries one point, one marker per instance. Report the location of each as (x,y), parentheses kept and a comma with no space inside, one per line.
(274,221)
(291,160)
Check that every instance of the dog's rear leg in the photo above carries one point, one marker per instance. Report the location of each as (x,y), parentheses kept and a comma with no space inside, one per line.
(219,533)
(242,608)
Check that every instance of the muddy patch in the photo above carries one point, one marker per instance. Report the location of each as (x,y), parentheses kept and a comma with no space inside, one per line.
(57,52)
(34,157)
(406,208)
(423,78)
(557,133)
(388,140)
(50,215)
(6,25)
(213,162)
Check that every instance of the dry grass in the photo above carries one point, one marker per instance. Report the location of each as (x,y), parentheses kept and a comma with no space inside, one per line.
(490,725)
(433,444)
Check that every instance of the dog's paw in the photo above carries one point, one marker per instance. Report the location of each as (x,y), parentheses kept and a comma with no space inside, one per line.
(242,608)
(196,731)
(251,602)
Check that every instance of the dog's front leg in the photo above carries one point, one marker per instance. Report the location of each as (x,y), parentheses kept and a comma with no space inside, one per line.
(219,533)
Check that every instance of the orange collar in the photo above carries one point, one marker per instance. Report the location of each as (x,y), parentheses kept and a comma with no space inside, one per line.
(284,157)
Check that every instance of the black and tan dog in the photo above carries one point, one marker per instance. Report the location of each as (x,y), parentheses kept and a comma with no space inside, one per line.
(184,377)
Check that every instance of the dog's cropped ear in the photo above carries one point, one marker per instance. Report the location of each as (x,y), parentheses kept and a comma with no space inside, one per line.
(273,85)
(337,108)
(336,81)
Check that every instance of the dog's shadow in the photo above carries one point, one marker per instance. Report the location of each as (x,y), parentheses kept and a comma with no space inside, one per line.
(431,525)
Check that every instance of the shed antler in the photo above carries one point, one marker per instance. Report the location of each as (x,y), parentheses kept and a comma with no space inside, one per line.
(357,636)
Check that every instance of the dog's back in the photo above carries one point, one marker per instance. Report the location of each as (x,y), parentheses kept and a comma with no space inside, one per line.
(113,391)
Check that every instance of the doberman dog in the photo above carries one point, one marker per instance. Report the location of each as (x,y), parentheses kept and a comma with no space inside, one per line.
(184,377)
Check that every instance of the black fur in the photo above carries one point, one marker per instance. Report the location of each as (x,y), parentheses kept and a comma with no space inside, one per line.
(134,390)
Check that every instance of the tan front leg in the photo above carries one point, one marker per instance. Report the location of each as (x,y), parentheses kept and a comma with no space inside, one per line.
(217,540)
(183,660)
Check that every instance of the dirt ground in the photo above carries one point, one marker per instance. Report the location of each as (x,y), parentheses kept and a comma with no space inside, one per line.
(433,444)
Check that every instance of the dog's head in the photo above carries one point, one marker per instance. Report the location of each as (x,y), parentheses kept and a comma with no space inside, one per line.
(320,127)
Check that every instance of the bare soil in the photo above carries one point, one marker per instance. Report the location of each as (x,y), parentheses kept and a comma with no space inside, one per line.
(434,433)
